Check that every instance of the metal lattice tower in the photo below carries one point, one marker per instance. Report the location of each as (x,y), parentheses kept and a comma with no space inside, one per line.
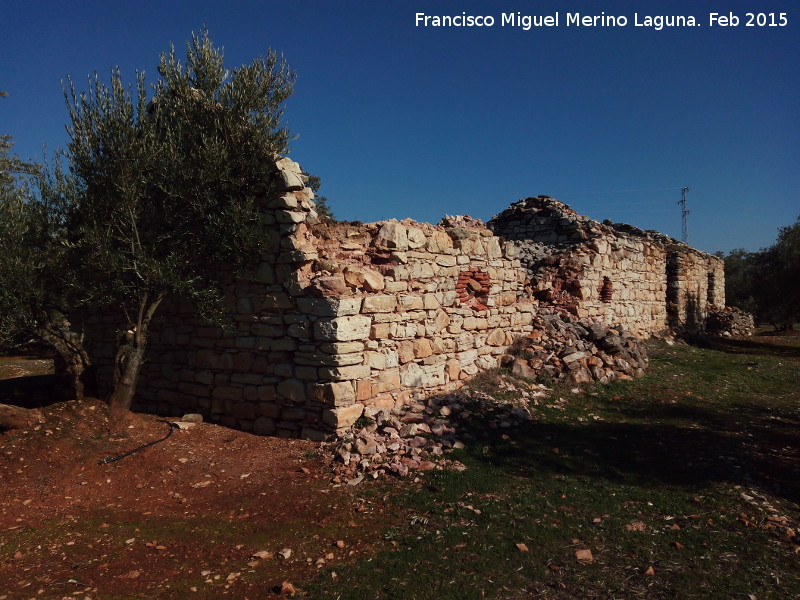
(684,213)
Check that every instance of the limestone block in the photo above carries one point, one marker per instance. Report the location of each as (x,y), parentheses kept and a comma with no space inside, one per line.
(381,331)
(207,359)
(453,369)
(242,361)
(364,277)
(337,393)
(363,389)
(292,389)
(344,373)
(405,351)
(266,330)
(487,361)
(415,376)
(329,307)
(386,381)
(381,303)
(342,347)
(493,250)
(293,413)
(343,329)
(441,321)
(396,286)
(299,330)
(408,302)
(405,330)
(497,337)
(289,180)
(422,348)
(345,416)
(382,402)
(416,237)
(330,285)
(277,301)
(376,360)
(465,341)
(421,270)
(392,236)
(439,241)
(269,409)
(467,358)
(266,393)
(290,216)
(288,200)
(204,377)
(431,302)
(522,369)
(282,345)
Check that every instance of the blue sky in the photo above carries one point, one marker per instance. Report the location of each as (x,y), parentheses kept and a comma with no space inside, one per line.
(405,121)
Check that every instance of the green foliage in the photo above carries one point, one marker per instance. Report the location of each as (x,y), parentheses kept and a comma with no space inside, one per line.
(767,282)
(170,187)
(13,170)
(322,206)
(34,280)
(740,279)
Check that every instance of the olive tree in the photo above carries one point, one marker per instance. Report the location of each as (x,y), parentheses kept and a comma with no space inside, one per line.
(169,179)
(36,288)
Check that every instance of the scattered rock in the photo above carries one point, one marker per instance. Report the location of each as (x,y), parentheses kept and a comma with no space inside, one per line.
(584,555)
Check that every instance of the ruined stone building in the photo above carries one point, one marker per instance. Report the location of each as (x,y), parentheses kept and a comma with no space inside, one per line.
(340,318)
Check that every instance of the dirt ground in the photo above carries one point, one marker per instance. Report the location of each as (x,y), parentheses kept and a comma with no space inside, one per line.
(209,512)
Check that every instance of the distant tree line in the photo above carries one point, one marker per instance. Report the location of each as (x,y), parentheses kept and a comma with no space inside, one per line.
(767,283)
(157,190)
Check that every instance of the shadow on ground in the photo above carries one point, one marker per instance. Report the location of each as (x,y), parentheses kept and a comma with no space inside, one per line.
(757,345)
(753,449)
(32,391)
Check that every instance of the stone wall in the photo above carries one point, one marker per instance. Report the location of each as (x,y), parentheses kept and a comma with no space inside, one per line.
(340,320)
(643,280)
(336,320)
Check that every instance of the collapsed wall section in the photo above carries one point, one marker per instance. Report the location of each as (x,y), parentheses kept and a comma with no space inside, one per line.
(643,280)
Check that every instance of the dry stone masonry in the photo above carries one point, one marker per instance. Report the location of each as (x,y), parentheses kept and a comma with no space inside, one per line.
(643,280)
(347,320)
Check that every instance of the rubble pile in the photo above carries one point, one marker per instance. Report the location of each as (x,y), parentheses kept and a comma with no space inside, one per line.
(581,351)
(730,321)
(398,444)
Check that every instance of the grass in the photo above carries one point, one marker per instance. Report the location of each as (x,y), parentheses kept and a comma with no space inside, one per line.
(683,484)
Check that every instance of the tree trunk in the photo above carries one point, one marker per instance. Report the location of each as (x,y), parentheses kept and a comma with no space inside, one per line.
(73,363)
(131,346)
(14,417)
(127,364)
